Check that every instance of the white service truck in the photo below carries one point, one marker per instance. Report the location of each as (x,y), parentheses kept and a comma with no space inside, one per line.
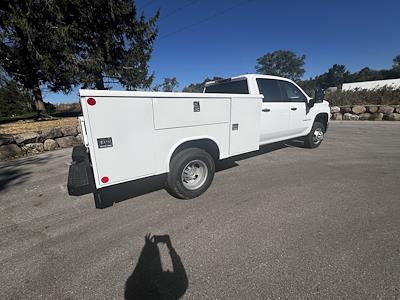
(131,135)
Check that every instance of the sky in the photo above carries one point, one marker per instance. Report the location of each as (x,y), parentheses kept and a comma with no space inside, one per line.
(204,38)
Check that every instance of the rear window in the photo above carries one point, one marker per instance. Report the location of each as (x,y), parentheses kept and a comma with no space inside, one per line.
(229,87)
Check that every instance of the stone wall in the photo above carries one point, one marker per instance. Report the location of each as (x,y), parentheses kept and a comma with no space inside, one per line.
(366,112)
(12,146)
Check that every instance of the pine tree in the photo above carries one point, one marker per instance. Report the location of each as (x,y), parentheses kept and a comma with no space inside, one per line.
(33,52)
(113,44)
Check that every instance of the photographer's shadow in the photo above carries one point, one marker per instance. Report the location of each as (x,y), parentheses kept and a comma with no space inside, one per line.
(149,281)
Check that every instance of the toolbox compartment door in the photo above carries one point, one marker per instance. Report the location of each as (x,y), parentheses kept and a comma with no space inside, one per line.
(121,138)
(185,112)
(245,125)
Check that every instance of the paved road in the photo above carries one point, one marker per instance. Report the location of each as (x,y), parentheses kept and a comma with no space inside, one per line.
(290,223)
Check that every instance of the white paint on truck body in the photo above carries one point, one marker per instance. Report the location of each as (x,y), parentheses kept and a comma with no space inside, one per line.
(146,128)
(132,135)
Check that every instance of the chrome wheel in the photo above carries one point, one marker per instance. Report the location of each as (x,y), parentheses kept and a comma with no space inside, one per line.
(194,174)
(318,136)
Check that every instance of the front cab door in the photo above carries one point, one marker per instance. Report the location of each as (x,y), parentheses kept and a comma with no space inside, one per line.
(298,108)
(275,112)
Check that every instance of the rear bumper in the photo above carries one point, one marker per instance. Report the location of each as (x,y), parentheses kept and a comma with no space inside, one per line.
(80,176)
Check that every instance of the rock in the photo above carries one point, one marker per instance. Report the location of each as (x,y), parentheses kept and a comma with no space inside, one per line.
(372,108)
(398,109)
(6,139)
(67,141)
(345,109)
(358,109)
(392,117)
(395,116)
(27,137)
(337,116)
(386,109)
(335,109)
(80,138)
(7,151)
(351,117)
(69,130)
(33,148)
(377,116)
(365,116)
(78,128)
(49,134)
(50,144)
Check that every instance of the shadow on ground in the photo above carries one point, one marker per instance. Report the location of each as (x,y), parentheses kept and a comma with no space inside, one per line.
(149,281)
(106,197)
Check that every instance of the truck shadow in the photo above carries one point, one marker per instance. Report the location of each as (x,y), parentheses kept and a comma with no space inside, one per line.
(232,161)
(149,281)
(106,197)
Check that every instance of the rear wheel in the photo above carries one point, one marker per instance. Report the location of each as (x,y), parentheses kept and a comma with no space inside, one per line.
(191,173)
(316,135)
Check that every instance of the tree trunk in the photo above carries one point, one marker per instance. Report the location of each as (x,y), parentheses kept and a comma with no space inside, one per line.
(38,100)
(100,82)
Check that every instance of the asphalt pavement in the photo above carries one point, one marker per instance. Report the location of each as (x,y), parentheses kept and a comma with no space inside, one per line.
(283,223)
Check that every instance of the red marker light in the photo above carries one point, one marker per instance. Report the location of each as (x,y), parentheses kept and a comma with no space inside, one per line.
(91,101)
(104,179)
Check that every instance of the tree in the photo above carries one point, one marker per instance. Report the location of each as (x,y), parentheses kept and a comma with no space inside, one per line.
(14,100)
(33,46)
(336,75)
(112,43)
(170,84)
(396,62)
(63,43)
(198,87)
(281,63)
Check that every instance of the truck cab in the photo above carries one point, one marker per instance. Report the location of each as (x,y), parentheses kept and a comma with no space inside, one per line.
(287,111)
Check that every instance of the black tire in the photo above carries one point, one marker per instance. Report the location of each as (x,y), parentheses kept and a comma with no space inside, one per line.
(176,185)
(309,140)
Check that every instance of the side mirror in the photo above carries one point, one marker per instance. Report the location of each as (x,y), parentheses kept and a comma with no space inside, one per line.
(319,95)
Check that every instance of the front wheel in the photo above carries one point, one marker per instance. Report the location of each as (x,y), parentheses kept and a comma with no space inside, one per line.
(191,173)
(316,136)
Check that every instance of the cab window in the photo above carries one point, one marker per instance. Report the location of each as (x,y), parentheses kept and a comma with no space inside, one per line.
(229,87)
(291,92)
(271,90)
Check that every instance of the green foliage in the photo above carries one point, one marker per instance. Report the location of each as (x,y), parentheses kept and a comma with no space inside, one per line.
(111,43)
(198,87)
(380,96)
(335,76)
(13,99)
(396,63)
(59,44)
(283,63)
(34,38)
(169,85)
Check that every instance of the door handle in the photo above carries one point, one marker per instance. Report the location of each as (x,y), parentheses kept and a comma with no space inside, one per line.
(266,110)
(293,108)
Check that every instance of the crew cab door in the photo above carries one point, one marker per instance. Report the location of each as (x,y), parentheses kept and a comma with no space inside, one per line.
(275,112)
(298,107)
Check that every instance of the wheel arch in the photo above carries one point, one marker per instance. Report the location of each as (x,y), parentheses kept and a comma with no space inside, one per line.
(323,118)
(208,144)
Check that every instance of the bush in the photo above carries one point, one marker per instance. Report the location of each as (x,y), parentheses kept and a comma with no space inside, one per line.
(381,96)
(14,100)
